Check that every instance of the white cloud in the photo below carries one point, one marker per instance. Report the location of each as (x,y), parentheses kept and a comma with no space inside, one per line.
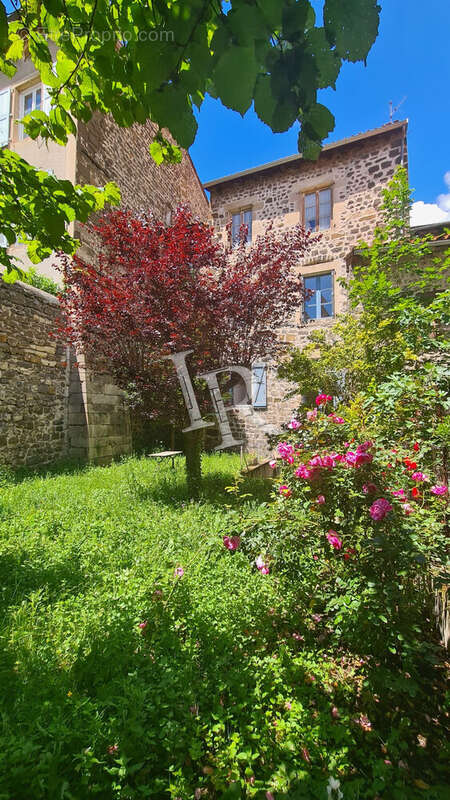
(427,213)
(430,213)
(443,200)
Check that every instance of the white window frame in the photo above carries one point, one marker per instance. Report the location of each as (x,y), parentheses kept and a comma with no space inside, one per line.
(6,116)
(259,385)
(241,213)
(316,193)
(44,106)
(318,296)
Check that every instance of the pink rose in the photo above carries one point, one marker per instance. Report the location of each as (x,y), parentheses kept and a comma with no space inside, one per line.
(379,509)
(294,424)
(369,488)
(311,415)
(262,566)
(337,420)
(400,493)
(320,499)
(143,626)
(232,542)
(408,509)
(285,449)
(273,463)
(439,490)
(334,540)
(323,399)
(419,476)
(179,572)
(284,490)
(303,472)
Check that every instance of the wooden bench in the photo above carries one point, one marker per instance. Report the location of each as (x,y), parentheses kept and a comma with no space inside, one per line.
(260,470)
(167,454)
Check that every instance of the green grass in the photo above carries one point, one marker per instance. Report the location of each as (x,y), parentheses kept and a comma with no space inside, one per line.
(214,698)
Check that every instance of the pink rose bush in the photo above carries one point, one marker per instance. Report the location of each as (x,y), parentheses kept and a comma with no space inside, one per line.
(352,501)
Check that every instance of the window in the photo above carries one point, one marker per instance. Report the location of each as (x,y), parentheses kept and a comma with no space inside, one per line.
(317,210)
(243,217)
(320,303)
(33,99)
(259,386)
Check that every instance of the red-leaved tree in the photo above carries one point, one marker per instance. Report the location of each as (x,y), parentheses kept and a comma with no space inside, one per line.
(157,290)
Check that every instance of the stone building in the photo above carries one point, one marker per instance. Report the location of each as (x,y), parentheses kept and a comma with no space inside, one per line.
(338,196)
(101,151)
(52,406)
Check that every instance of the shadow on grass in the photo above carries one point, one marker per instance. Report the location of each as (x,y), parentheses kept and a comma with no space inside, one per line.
(184,696)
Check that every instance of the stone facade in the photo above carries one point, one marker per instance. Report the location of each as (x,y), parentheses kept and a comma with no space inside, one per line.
(356,170)
(51,407)
(106,152)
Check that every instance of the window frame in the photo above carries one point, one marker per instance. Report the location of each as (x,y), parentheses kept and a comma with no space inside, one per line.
(330,272)
(259,381)
(317,193)
(241,212)
(22,93)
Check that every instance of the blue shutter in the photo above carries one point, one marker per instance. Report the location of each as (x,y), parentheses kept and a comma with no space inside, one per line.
(4,116)
(259,386)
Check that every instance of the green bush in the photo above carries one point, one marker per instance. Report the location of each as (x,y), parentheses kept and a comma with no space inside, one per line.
(33,278)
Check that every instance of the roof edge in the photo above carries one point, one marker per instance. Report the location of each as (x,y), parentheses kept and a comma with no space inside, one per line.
(387,128)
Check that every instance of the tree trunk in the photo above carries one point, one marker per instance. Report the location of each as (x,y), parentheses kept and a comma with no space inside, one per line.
(193,445)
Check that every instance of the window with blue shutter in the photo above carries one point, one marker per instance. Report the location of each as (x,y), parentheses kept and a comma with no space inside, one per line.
(259,386)
(5,101)
(320,303)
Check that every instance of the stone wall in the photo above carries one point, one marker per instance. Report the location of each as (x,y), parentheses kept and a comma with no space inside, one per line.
(107,152)
(51,406)
(33,378)
(357,171)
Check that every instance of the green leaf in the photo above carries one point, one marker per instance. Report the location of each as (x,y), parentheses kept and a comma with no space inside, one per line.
(319,120)
(171,109)
(272,10)
(279,115)
(235,76)
(248,23)
(112,193)
(309,148)
(326,61)
(3,28)
(352,25)
(295,18)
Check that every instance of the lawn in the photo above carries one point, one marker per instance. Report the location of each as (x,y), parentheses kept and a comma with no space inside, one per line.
(140,658)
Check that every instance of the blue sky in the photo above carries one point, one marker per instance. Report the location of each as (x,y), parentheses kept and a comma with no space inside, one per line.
(411,58)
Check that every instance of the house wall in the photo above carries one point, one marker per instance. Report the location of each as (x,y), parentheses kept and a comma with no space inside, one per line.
(106,152)
(357,172)
(102,151)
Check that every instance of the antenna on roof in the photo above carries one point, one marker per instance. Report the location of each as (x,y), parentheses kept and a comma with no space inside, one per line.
(393,110)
